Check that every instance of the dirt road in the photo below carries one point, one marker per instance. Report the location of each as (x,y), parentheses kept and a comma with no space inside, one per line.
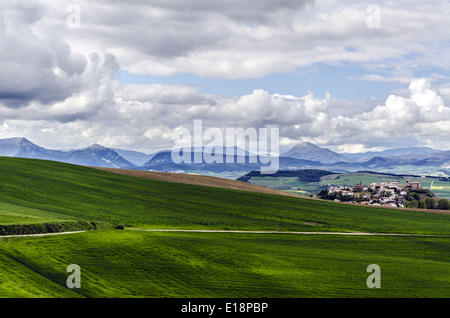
(241,232)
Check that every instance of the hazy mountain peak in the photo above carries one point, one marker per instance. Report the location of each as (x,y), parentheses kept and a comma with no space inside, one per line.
(16,140)
(94,155)
(309,151)
(96,146)
(303,144)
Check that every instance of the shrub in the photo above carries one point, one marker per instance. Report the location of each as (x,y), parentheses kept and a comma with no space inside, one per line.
(421,204)
(14,229)
(430,203)
(412,204)
(443,204)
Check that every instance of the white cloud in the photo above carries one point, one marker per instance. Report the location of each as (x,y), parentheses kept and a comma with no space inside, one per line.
(58,84)
(236,39)
(145,120)
(421,115)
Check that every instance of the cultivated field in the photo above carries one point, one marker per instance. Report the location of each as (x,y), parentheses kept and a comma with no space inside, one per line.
(441,189)
(196,180)
(174,264)
(134,263)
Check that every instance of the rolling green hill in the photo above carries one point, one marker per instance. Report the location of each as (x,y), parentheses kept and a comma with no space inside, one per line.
(80,193)
(129,263)
(191,265)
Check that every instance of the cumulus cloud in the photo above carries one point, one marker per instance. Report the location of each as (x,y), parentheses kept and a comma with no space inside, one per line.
(34,68)
(60,85)
(142,117)
(412,119)
(236,39)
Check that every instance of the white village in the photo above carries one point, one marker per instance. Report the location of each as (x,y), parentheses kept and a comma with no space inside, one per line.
(391,194)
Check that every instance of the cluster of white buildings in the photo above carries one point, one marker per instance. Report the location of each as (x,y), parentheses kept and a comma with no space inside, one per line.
(382,193)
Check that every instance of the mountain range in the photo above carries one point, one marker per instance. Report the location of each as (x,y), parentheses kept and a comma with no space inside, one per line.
(94,155)
(162,161)
(392,152)
(309,156)
(301,156)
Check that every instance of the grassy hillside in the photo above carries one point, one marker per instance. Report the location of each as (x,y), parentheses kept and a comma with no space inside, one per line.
(75,192)
(196,179)
(13,214)
(127,263)
(143,264)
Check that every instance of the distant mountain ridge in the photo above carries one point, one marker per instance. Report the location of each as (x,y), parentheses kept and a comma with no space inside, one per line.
(135,157)
(22,147)
(163,162)
(301,156)
(393,152)
(310,151)
(97,156)
(94,155)
(412,158)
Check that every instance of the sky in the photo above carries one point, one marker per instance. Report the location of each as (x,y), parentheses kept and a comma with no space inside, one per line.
(352,76)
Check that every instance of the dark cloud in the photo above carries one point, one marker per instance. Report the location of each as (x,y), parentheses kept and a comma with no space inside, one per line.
(34,68)
(175,28)
(242,11)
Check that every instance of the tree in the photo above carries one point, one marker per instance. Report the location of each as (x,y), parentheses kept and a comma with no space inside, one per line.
(421,204)
(430,203)
(443,204)
(412,204)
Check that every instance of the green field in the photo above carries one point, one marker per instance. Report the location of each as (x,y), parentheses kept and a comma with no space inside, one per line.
(13,214)
(143,264)
(291,184)
(305,182)
(133,263)
(441,189)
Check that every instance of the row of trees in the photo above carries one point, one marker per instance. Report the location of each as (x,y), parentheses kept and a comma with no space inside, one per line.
(323,194)
(424,199)
(429,203)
